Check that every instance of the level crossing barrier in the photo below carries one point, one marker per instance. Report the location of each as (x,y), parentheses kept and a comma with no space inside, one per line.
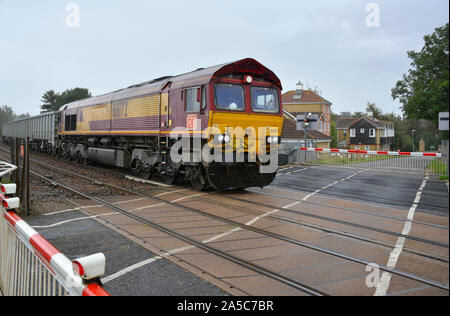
(32,266)
(392,161)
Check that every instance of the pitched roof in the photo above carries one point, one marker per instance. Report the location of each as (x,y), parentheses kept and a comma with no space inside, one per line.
(348,122)
(343,122)
(308,96)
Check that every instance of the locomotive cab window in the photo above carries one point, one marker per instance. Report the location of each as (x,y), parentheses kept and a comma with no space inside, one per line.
(70,123)
(229,97)
(192,99)
(265,100)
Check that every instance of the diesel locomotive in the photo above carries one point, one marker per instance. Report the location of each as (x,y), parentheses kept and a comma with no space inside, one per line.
(164,128)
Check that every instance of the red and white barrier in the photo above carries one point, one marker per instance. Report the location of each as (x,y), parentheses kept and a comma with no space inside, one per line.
(384,153)
(56,262)
(59,265)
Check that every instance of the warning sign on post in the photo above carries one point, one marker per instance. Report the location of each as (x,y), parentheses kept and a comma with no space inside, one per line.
(443,121)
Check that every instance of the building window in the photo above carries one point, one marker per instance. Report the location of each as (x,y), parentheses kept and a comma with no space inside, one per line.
(345,133)
(367,148)
(352,132)
(372,132)
(362,131)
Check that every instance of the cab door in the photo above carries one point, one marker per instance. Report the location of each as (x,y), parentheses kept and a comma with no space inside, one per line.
(165,110)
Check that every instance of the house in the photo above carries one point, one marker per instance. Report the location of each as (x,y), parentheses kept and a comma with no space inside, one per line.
(301,101)
(365,133)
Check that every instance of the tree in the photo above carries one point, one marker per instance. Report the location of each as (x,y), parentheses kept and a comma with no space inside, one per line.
(72,95)
(53,101)
(424,90)
(50,99)
(6,115)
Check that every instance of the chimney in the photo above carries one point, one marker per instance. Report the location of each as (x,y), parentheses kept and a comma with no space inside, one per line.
(298,91)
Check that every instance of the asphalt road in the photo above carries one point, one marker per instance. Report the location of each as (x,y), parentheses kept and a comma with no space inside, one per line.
(379,187)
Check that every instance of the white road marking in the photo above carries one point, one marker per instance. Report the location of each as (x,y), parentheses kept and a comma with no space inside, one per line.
(74,220)
(169,192)
(147,181)
(91,206)
(110,214)
(383,284)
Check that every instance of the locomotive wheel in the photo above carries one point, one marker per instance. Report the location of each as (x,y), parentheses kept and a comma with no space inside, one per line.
(170,174)
(146,172)
(79,158)
(198,181)
(136,166)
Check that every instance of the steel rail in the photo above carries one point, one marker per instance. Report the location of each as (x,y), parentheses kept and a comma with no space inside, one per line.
(256,268)
(275,217)
(400,219)
(379,230)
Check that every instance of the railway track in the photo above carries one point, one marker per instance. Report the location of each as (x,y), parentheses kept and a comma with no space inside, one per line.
(276,217)
(298,285)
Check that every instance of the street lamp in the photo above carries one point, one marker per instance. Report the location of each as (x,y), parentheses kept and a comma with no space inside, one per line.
(412,136)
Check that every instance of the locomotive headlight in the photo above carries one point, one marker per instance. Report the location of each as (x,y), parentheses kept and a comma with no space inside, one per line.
(248,79)
(273,139)
(223,138)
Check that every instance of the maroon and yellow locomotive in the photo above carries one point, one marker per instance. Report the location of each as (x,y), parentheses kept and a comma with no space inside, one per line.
(132,127)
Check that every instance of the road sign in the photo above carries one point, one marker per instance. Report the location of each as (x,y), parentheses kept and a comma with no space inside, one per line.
(312,122)
(443,121)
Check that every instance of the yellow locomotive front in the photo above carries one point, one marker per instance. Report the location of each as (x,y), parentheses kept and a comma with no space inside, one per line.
(245,124)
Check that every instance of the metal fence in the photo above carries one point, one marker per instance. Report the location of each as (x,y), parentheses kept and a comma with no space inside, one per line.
(429,163)
(22,273)
(31,266)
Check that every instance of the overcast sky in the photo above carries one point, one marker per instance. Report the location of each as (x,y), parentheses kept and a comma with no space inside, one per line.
(325,44)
